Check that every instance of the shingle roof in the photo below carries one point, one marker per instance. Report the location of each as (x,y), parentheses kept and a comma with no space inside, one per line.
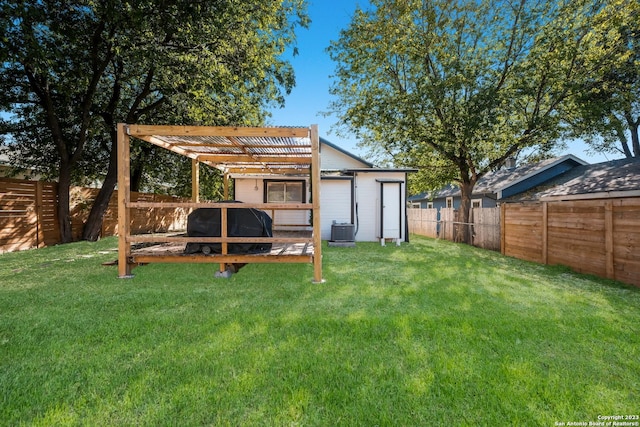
(613,176)
(496,181)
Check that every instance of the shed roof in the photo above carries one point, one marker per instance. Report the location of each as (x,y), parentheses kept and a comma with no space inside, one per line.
(276,150)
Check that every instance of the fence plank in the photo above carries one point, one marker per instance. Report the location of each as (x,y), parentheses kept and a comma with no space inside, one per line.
(18,216)
(596,236)
(29,218)
(443,223)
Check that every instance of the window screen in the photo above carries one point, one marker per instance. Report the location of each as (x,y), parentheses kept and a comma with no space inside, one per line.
(285,192)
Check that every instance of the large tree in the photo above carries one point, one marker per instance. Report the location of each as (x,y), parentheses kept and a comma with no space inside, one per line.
(71,70)
(607,110)
(456,87)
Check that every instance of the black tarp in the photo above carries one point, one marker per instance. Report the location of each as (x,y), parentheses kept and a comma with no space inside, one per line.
(241,222)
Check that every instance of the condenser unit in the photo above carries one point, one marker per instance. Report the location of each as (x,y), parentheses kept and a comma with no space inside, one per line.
(342,233)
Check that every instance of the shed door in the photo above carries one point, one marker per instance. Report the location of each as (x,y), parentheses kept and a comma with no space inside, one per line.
(391,210)
(336,204)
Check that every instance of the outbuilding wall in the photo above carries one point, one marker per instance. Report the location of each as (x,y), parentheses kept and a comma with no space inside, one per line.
(368,203)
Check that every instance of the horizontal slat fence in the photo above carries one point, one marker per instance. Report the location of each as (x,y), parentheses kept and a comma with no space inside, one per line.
(484,226)
(142,220)
(28,214)
(599,236)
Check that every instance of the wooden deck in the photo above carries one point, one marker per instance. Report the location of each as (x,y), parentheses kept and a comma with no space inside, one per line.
(291,247)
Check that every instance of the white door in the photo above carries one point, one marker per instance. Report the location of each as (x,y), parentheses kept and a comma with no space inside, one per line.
(391,210)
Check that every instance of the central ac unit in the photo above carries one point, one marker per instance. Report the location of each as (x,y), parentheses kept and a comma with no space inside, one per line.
(342,233)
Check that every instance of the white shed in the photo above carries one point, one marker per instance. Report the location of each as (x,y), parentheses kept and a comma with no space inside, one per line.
(358,201)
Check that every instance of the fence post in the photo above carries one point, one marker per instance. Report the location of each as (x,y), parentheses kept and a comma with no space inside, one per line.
(545,236)
(39,216)
(503,209)
(608,239)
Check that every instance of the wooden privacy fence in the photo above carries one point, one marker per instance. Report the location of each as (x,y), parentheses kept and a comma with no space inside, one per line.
(149,221)
(484,225)
(599,236)
(28,214)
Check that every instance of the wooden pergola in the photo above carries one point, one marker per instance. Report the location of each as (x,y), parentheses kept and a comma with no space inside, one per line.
(275,151)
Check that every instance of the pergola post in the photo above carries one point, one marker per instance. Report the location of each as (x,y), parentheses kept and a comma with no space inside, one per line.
(315,195)
(124,197)
(225,181)
(195,180)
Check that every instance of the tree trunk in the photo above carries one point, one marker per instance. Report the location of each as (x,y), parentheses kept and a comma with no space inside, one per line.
(64,216)
(93,226)
(635,139)
(137,167)
(463,233)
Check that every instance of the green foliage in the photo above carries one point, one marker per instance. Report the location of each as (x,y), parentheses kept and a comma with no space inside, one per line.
(468,338)
(456,87)
(72,70)
(172,176)
(80,67)
(607,109)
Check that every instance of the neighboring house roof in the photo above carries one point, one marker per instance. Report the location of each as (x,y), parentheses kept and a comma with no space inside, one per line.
(374,169)
(511,181)
(616,178)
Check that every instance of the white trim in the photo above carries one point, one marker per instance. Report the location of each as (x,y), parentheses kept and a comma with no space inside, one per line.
(446,202)
(479,201)
(429,205)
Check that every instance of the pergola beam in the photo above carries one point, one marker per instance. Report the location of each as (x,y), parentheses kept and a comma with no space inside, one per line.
(315,192)
(146,130)
(271,171)
(222,159)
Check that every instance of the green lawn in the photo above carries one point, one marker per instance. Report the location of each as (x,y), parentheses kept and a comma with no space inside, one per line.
(431,333)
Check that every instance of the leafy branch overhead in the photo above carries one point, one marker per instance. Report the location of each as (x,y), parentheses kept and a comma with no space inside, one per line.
(72,70)
(457,87)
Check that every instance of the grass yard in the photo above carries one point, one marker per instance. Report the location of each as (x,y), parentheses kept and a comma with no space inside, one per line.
(431,333)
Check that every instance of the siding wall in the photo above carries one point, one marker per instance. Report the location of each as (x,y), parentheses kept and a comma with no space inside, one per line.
(332,159)
(368,201)
(335,204)
(246,192)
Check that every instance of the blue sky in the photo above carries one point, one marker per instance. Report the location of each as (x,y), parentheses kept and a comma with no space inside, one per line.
(313,69)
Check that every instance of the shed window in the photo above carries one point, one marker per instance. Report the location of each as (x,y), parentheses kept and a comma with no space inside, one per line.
(476,203)
(449,201)
(285,192)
